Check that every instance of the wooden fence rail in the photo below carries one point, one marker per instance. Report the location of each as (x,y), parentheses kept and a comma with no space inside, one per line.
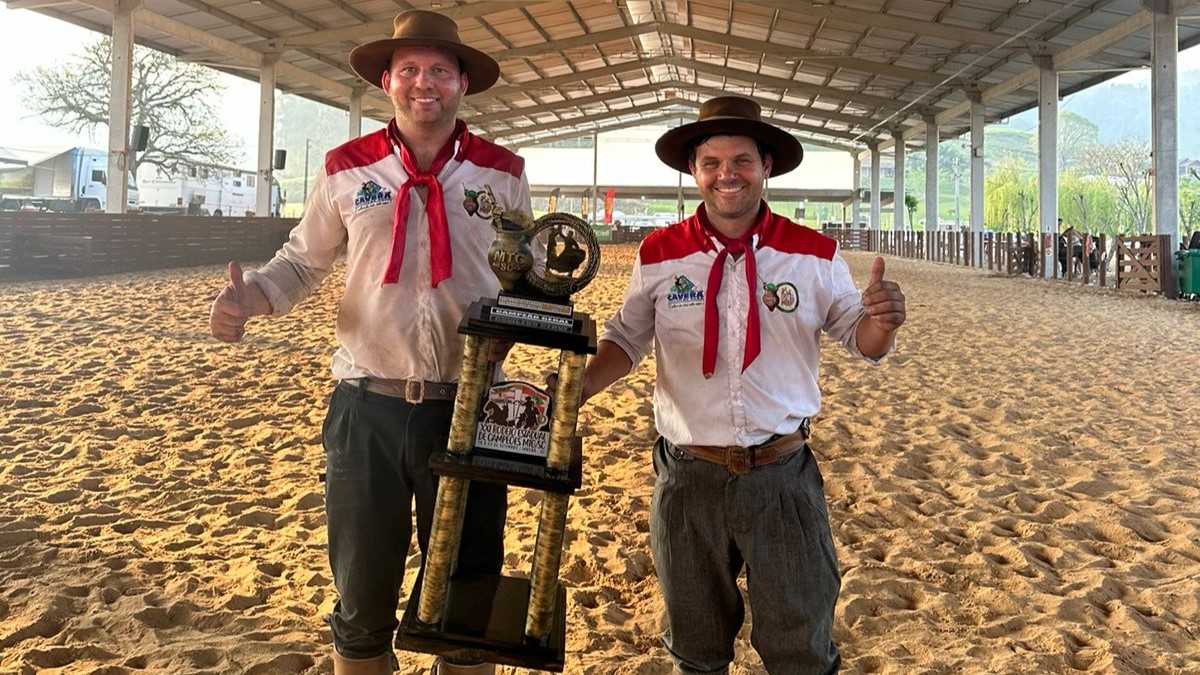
(1139,260)
(78,244)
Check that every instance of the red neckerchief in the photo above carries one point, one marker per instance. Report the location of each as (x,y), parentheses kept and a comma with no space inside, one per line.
(712,328)
(441,262)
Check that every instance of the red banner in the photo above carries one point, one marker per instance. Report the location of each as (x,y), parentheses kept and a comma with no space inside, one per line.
(609,198)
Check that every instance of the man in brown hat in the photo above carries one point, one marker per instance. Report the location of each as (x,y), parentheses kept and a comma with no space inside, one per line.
(395,202)
(734,300)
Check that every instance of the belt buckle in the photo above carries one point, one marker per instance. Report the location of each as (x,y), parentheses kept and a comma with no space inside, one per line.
(737,460)
(414,391)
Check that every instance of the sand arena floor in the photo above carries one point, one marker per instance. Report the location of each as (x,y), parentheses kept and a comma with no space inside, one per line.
(1017,490)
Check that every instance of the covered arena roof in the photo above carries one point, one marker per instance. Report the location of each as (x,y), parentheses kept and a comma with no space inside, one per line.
(839,73)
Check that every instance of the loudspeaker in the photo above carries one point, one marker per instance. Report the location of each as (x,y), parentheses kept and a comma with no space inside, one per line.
(140,138)
(280,160)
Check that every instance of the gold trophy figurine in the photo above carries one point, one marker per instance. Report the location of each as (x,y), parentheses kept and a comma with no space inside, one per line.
(510,255)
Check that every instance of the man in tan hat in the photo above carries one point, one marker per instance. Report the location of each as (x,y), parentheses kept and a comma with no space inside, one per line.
(734,300)
(397,203)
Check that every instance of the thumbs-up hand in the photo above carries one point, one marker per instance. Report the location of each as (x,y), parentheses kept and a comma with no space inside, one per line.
(236,280)
(876,270)
(883,300)
(234,306)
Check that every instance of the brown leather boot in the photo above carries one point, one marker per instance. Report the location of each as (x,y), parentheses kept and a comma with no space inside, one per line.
(378,665)
(442,667)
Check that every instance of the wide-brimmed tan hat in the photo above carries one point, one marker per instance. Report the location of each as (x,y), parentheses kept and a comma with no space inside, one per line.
(421,28)
(730,116)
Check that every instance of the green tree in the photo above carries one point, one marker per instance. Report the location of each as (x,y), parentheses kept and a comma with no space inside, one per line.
(1189,203)
(914,178)
(1089,203)
(1010,198)
(910,205)
(1126,166)
(174,100)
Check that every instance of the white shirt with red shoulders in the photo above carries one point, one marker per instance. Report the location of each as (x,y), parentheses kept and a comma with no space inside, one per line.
(803,287)
(406,330)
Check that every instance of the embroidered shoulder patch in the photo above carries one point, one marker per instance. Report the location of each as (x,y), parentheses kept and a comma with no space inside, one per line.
(684,293)
(371,194)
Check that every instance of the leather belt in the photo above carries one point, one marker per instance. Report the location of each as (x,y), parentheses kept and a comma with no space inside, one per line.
(412,391)
(739,461)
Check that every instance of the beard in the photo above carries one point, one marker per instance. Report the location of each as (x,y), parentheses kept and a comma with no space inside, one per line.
(434,116)
(733,206)
(425,117)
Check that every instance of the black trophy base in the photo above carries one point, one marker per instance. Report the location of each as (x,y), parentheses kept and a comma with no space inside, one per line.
(577,335)
(484,619)
(490,466)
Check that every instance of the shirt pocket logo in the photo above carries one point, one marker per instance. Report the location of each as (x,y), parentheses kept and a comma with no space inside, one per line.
(371,194)
(684,293)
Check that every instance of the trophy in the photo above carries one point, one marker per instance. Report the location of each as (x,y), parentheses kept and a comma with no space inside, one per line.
(513,433)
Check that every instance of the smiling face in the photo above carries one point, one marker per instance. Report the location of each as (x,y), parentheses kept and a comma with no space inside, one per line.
(425,86)
(729,173)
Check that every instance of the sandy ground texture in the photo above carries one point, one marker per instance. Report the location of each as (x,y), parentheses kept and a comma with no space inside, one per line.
(1017,490)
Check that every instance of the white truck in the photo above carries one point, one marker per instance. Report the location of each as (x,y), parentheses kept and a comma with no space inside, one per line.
(205,191)
(74,180)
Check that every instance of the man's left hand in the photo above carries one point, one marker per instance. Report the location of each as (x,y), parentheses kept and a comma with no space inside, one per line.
(883,300)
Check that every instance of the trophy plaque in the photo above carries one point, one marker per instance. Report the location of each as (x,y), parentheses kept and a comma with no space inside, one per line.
(513,433)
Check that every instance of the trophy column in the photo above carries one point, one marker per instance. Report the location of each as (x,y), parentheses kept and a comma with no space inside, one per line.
(547,552)
(452,492)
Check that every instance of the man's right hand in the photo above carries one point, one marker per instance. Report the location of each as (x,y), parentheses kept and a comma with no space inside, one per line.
(234,306)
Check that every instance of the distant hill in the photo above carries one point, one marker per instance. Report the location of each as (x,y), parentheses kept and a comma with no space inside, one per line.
(1123,111)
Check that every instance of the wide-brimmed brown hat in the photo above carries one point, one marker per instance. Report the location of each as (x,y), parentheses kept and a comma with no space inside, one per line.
(730,116)
(422,28)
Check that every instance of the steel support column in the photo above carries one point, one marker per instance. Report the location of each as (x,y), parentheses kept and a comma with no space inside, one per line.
(931,174)
(266,134)
(1047,159)
(976,176)
(120,158)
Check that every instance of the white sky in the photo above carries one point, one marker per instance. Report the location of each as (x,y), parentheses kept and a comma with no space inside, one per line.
(28,39)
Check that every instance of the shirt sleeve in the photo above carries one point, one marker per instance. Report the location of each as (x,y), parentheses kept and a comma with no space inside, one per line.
(308,255)
(524,198)
(632,329)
